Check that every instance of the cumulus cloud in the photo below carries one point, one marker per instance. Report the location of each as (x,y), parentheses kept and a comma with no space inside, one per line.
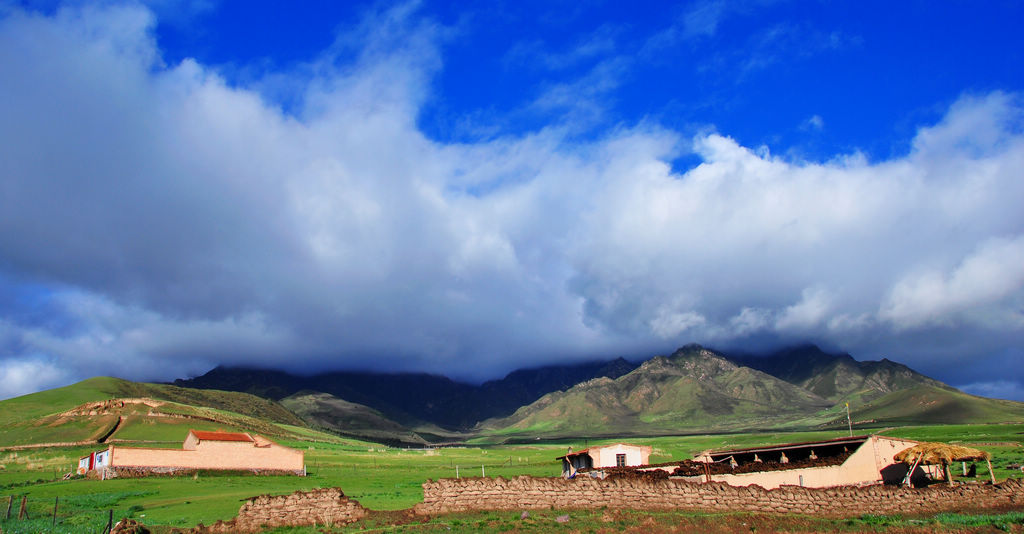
(20,376)
(178,221)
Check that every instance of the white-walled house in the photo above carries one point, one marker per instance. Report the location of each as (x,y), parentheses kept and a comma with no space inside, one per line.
(601,456)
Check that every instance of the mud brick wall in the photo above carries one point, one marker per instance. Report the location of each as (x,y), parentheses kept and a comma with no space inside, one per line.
(524,493)
(324,507)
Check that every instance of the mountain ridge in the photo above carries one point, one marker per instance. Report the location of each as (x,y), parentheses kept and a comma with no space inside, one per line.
(692,389)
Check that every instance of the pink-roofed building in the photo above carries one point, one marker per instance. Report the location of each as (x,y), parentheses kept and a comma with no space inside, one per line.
(232,451)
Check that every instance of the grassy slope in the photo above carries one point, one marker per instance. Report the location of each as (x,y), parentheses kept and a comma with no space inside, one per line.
(57,400)
(927,404)
(689,391)
(36,418)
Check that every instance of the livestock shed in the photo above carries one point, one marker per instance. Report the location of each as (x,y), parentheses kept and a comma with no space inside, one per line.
(231,451)
(617,455)
(851,461)
(942,455)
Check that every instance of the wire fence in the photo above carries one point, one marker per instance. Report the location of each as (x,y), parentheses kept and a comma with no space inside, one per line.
(31,515)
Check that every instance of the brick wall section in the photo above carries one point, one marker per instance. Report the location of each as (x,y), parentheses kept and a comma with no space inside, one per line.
(324,507)
(524,493)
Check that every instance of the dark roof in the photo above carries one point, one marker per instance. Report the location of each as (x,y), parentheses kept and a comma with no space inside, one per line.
(221,436)
(855,440)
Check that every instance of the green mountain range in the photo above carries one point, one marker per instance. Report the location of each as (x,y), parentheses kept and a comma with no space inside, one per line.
(694,390)
(700,390)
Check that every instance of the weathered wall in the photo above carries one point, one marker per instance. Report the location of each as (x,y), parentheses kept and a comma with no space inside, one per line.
(873,462)
(635,454)
(242,456)
(324,507)
(523,493)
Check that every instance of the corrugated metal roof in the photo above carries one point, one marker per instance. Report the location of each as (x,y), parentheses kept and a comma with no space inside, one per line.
(221,436)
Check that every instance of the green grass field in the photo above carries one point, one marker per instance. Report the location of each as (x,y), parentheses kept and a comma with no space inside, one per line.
(382,478)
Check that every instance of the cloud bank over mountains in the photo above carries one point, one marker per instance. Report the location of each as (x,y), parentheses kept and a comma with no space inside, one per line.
(156,220)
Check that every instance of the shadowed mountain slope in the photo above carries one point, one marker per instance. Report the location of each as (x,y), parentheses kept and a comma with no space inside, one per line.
(838,377)
(413,399)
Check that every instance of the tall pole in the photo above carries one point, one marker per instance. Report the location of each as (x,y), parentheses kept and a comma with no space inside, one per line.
(848,420)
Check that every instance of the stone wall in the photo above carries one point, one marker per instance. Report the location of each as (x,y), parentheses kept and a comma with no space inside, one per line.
(324,507)
(524,493)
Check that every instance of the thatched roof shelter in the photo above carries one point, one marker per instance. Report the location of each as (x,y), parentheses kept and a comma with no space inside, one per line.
(933,453)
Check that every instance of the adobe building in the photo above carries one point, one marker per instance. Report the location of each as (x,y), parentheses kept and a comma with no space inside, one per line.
(233,451)
(852,461)
(617,455)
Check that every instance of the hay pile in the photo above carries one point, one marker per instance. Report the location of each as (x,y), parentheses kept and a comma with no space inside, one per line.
(933,453)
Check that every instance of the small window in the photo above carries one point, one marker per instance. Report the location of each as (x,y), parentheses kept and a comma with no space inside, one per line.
(620,460)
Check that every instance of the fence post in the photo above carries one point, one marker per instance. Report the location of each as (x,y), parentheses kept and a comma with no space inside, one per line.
(55,501)
(22,513)
(110,523)
(10,501)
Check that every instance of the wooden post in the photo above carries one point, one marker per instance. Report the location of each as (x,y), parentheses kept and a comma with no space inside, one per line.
(949,473)
(110,523)
(10,501)
(991,473)
(456,471)
(964,466)
(910,473)
(53,523)
(482,472)
(23,513)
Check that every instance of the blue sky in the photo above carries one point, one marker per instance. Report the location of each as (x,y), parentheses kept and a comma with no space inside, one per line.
(468,190)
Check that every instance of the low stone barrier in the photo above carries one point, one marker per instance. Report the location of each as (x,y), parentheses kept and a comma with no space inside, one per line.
(324,507)
(525,493)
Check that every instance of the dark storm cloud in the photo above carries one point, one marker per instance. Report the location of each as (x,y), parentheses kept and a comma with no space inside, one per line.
(173,222)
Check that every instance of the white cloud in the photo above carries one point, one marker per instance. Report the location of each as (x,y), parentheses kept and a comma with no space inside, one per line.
(21,376)
(182,221)
(809,312)
(985,287)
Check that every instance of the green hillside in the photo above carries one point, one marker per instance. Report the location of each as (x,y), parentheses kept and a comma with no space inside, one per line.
(698,390)
(934,405)
(114,410)
(694,389)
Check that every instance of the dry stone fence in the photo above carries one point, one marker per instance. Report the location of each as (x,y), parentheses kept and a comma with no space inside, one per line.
(524,493)
(329,506)
(326,507)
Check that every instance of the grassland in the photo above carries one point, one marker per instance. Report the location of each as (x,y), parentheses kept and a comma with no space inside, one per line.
(383,478)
